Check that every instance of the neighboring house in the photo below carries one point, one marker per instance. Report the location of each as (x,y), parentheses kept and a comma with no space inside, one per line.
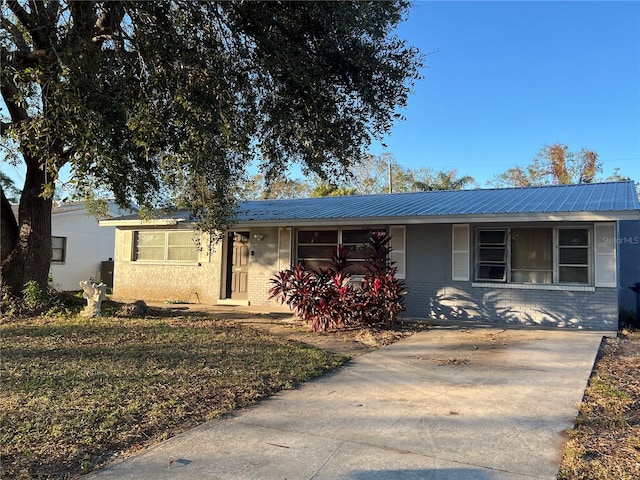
(79,244)
(82,250)
(540,255)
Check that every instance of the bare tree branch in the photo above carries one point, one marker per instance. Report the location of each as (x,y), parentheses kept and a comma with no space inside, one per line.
(36,28)
(15,33)
(35,57)
(9,93)
(21,14)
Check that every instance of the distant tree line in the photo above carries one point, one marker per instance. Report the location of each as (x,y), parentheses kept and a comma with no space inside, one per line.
(553,164)
(374,174)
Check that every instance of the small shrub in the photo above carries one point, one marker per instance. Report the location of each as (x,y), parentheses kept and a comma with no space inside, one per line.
(33,300)
(328,298)
(34,297)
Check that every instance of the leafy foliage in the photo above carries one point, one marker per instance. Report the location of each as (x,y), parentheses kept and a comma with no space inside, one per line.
(34,296)
(368,176)
(553,164)
(332,190)
(328,298)
(382,293)
(443,181)
(181,95)
(35,300)
(163,104)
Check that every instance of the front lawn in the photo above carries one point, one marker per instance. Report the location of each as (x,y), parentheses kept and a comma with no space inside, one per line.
(77,391)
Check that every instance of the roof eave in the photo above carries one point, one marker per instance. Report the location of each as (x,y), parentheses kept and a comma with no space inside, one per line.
(489,218)
(156,222)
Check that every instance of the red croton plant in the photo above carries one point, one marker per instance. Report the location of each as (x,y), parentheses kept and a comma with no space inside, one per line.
(328,298)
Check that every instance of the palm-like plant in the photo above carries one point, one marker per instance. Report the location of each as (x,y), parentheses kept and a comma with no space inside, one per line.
(443,181)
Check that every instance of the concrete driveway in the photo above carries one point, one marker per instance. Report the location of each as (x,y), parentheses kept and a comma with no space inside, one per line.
(449,404)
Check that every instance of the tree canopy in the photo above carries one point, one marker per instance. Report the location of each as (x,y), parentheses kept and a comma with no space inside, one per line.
(165,103)
(553,164)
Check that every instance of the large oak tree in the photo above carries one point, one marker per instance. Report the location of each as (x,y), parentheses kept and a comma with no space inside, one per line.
(166,102)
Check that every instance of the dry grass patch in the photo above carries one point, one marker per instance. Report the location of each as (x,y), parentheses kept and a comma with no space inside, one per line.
(76,391)
(605,443)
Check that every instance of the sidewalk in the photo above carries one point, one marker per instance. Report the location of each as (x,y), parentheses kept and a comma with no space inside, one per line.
(448,403)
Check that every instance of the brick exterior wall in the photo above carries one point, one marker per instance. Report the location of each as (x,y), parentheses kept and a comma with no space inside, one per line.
(460,300)
(263,265)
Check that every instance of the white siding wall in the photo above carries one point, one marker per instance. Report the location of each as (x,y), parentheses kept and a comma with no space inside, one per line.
(87,246)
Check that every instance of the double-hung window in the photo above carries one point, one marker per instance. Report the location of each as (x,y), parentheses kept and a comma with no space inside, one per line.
(172,246)
(534,255)
(58,249)
(573,255)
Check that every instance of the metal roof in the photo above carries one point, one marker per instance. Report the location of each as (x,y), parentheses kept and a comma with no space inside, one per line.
(587,201)
(596,200)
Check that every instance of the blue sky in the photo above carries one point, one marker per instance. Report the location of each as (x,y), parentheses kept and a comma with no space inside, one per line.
(504,79)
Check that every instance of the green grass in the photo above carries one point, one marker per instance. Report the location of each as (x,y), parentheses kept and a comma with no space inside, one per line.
(76,391)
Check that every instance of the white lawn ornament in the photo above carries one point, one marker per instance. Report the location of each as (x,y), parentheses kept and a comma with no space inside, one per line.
(95,293)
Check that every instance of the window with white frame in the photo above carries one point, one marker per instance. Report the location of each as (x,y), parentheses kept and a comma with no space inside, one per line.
(574,247)
(491,255)
(315,248)
(534,255)
(171,246)
(58,249)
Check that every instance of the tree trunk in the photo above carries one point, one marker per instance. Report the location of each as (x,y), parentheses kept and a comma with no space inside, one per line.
(29,258)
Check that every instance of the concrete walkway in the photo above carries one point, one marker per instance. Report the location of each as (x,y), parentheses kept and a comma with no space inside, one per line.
(448,404)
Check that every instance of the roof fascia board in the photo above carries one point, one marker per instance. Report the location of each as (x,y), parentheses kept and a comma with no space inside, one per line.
(528,217)
(373,221)
(157,222)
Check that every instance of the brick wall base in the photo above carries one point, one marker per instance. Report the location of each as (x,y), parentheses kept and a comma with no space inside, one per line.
(596,310)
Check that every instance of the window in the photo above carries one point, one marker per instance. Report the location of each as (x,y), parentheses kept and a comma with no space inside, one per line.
(356,243)
(534,255)
(491,255)
(59,249)
(316,247)
(573,255)
(174,246)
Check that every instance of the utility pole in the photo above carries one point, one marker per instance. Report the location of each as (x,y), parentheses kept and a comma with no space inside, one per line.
(390,178)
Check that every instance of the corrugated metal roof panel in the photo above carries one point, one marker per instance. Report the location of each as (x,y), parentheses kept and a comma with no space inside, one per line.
(594,197)
(612,200)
